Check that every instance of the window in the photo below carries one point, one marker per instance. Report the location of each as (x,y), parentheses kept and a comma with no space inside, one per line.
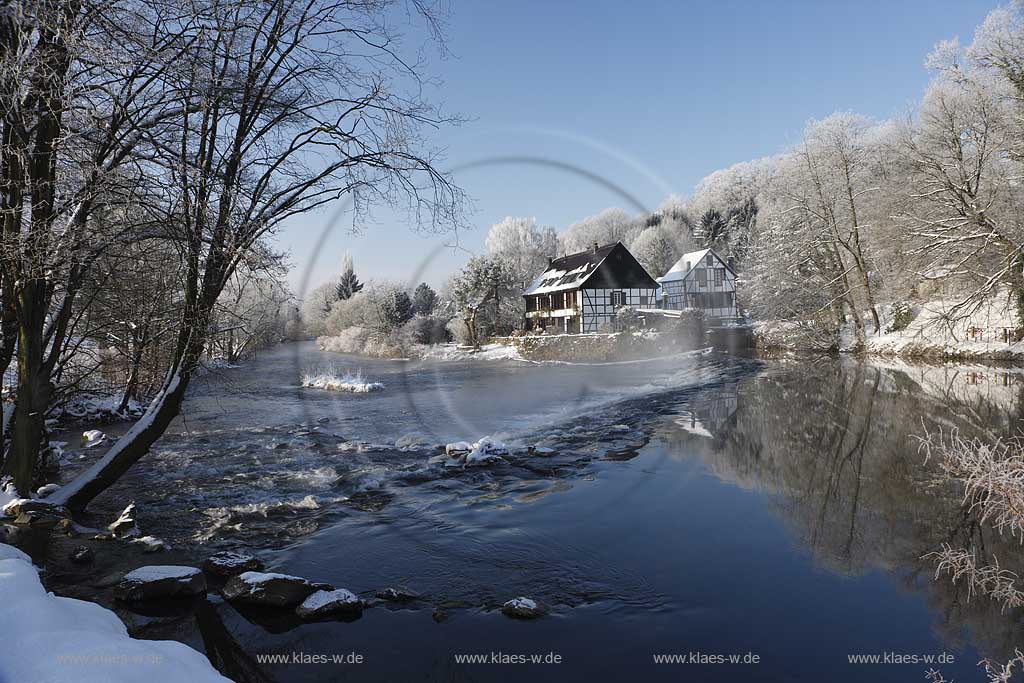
(709,260)
(702,277)
(618,299)
(719,275)
(643,300)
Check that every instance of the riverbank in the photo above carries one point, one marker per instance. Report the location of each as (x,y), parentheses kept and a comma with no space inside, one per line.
(935,331)
(54,638)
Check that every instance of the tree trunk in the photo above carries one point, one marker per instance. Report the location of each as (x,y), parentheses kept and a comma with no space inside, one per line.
(34,391)
(131,385)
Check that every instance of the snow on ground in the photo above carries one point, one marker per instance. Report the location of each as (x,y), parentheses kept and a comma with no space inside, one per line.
(50,638)
(332,380)
(987,333)
(8,495)
(455,352)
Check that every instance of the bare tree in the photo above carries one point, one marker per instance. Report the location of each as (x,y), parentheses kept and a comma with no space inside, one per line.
(283,107)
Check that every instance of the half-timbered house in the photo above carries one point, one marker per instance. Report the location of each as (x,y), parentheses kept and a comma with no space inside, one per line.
(581,292)
(702,280)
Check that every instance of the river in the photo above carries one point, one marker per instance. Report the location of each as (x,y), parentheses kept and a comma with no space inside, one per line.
(703,505)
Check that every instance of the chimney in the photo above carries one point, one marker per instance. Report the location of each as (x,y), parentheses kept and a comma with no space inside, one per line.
(550,261)
(595,247)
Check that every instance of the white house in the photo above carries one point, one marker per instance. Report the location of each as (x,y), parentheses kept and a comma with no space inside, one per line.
(702,280)
(580,292)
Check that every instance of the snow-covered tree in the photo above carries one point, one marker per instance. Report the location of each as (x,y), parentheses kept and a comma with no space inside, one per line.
(524,245)
(658,247)
(316,306)
(235,122)
(609,226)
(395,307)
(481,292)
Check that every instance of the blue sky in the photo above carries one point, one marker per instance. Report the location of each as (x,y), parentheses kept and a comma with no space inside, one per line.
(648,96)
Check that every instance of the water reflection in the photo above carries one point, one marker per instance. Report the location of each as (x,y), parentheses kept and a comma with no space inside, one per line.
(833,444)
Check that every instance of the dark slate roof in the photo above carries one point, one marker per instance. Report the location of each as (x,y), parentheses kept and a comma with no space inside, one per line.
(570,272)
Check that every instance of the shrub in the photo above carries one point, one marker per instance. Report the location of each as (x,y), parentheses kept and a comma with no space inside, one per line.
(902,314)
(428,329)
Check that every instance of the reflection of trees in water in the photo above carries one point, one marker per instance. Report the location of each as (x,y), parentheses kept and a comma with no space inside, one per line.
(835,445)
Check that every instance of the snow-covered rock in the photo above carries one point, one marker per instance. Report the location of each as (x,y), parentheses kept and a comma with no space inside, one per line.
(229,563)
(397,594)
(458,448)
(482,452)
(125,526)
(46,489)
(410,441)
(59,639)
(160,581)
(82,555)
(93,438)
(522,608)
(8,495)
(151,544)
(542,451)
(485,451)
(324,603)
(269,589)
(331,381)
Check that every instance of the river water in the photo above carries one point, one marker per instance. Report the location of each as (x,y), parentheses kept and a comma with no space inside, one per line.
(702,505)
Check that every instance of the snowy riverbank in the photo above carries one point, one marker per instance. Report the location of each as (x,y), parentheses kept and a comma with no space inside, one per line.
(935,332)
(51,638)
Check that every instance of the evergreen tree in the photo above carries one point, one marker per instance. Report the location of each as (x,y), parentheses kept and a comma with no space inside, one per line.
(424,299)
(349,284)
(396,308)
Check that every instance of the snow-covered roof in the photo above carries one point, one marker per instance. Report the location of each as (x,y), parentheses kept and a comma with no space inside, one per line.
(569,272)
(679,271)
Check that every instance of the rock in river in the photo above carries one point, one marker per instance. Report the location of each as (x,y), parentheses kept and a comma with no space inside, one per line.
(125,526)
(269,590)
(155,582)
(228,563)
(397,594)
(522,608)
(326,603)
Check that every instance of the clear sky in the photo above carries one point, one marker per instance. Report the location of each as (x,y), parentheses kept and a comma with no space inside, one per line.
(645,97)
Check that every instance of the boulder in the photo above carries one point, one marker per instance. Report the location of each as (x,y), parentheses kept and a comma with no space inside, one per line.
(36,518)
(125,526)
(522,608)
(397,594)
(325,603)
(151,544)
(228,564)
(268,589)
(458,448)
(46,489)
(412,440)
(93,438)
(158,582)
(22,506)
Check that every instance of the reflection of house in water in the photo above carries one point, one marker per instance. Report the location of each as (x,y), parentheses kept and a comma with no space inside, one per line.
(709,415)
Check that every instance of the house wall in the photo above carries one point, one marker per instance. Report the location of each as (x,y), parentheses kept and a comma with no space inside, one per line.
(591,310)
(598,307)
(709,288)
